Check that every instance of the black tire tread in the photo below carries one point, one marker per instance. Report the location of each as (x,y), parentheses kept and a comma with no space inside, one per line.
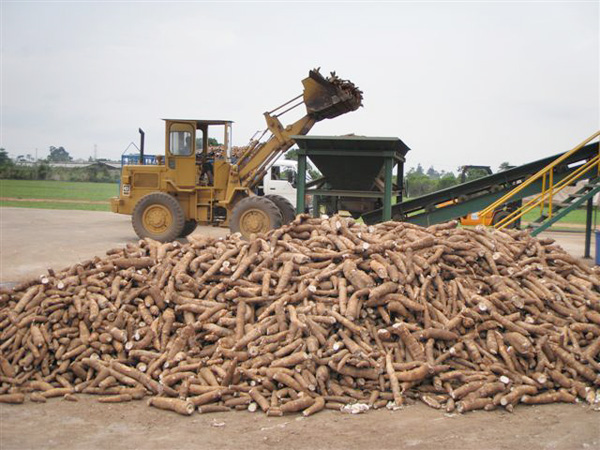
(500,215)
(188,227)
(262,203)
(288,212)
(164,199)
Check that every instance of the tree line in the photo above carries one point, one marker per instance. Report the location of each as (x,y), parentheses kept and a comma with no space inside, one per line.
(418,182)
(42,170)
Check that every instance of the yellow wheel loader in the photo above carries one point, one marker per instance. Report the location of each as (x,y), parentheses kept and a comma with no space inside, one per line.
(188,187)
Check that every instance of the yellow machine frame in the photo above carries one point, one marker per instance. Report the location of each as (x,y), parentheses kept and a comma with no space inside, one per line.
(183,167)
(180,174)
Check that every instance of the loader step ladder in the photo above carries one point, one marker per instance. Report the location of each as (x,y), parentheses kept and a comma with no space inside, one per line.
(561,209)
(551,184)
(473,196)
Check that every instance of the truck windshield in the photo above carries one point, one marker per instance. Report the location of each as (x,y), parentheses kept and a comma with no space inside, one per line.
(289,174)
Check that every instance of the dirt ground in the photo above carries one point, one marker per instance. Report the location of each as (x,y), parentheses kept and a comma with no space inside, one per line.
(90,425)
(32,240)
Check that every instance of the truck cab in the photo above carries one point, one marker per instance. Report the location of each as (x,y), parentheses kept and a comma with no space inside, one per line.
(281,179)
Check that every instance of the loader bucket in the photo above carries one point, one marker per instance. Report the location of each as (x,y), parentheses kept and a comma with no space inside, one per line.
(326,98)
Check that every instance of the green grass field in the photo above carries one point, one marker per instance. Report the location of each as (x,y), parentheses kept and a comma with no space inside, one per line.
(71,195)
(55,205)
(576,217)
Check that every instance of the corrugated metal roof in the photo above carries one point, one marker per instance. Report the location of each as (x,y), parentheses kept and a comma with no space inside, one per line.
(202,122)
(357,143)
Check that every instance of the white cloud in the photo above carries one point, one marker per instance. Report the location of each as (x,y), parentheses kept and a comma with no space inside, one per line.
(461,83)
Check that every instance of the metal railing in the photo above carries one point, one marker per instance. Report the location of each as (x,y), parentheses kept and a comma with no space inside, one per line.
(132,160)
(549,188)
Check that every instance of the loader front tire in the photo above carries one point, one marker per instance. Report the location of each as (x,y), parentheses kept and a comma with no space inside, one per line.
(158,216)
(288,212)
(253,215)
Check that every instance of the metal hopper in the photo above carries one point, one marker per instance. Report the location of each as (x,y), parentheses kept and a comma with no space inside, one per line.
(357,170)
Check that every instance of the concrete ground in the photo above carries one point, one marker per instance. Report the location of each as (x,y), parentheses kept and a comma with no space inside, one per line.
(33,240)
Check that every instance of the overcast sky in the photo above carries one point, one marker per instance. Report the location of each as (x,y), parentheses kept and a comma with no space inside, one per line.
(460,83)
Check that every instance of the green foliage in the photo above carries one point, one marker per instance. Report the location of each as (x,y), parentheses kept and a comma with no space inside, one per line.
(314,173)
(4,158)
(418,182)
(59,154)
(504,166)
(447,180)
(473,174)
(433,174)
(43,171)
(212,142)
(292,154)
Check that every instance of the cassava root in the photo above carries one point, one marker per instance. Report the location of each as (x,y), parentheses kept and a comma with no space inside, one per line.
(318,314)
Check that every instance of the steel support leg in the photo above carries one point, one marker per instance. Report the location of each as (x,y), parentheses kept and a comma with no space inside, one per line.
(387,193)
(301,184)
(588,227)
(400,182)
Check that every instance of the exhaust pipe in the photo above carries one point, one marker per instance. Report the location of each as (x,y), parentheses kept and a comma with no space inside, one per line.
(142,135)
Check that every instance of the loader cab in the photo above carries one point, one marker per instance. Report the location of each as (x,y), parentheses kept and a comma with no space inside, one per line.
(188,155)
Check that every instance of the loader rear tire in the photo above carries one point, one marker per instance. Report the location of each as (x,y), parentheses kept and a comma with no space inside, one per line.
(188,228)
(253,215)
(158,216)
(288,212)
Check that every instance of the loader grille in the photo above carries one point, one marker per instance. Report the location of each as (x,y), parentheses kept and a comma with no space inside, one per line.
(145,180)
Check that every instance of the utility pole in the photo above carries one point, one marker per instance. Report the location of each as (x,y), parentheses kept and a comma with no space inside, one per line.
(36,158)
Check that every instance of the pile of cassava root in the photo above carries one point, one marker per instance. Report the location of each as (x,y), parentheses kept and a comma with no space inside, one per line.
(321,313)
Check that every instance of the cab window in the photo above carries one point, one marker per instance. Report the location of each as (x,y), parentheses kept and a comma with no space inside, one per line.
(180,140)
(275,173)
(199,141)
(290,175)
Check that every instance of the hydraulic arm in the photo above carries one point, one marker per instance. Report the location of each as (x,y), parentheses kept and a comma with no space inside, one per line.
(324,98)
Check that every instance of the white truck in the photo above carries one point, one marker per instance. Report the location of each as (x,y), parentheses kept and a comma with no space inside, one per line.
(281,179)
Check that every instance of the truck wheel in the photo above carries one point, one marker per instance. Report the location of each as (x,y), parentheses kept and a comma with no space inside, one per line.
(253,215)
(288,212)
(158,216)
(188,228)
(500,216)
